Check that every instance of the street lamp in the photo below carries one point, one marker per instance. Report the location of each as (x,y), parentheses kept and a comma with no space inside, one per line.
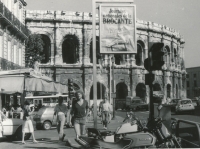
(112,88)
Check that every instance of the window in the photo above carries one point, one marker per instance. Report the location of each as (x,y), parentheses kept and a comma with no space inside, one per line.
(188,84)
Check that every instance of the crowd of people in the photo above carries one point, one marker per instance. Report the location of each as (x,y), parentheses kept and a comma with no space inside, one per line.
(76,112)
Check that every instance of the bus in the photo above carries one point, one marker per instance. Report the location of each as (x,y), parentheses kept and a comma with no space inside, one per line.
(37,102)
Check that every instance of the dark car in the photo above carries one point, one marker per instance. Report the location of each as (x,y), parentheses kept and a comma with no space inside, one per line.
(173,104)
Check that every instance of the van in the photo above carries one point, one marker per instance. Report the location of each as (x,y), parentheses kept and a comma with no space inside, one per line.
(135,103)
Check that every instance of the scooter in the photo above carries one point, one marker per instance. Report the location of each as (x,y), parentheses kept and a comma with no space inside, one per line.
(127,136)
(133,125)
(163,138)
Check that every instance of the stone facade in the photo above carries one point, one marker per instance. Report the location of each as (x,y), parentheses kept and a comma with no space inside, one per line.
(13,34)
(73,31)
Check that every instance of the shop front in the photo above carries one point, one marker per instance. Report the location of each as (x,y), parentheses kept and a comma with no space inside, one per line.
(16,85)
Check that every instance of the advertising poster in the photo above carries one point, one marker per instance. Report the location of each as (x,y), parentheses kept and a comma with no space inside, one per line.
(117,28)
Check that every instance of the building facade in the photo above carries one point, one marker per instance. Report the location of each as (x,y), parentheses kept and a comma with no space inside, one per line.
(13,34)
(68,49)
(193,82)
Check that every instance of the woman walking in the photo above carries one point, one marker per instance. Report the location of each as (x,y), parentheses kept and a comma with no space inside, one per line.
(27,125)
(61,111)
(80,111)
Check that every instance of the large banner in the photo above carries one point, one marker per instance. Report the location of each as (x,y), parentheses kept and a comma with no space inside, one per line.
(117,28)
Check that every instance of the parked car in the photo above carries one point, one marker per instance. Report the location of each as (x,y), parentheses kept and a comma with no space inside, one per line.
(184,105)
(135,103)
(12,128)
(173,104)
(45,118)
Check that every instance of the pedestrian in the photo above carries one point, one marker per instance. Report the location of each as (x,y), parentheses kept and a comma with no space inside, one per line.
(61,111)
(27,125)
(100,109)
(106,109)
(80,111)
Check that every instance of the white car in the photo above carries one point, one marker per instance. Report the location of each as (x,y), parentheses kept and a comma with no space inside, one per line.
(12,128)
(185,105)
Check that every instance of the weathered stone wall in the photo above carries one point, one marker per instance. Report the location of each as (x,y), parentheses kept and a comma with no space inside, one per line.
(57,25)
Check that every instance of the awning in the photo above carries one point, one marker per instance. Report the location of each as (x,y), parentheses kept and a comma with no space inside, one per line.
(19,83)
(39,85)
(12,83)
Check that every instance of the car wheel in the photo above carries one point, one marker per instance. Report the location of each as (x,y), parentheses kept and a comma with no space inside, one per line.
(18,134)
(46,125)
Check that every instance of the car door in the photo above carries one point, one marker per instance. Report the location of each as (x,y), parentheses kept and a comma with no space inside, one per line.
(7,126)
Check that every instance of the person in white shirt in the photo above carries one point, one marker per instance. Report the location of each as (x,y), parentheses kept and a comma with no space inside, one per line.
(106,109)
(61,111)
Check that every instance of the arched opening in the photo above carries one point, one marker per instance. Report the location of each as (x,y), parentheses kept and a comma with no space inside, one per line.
(168,91)
(98,55)
(70,53)
(46,49)
(177,91)
(141,91)
(101,93)
(175,56)
(118,59)
(140,55)
(156,87)
(167,56)
(121,91)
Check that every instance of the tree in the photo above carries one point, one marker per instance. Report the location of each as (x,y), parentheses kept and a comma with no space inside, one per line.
(34,50)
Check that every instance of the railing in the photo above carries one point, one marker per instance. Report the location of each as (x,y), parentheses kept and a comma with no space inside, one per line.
(6,13)
(7,65)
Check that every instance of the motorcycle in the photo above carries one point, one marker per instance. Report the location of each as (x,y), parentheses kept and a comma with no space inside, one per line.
(163,138)
(133,125)
(127,136)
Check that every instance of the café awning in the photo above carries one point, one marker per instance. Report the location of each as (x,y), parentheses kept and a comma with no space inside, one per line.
(19,83)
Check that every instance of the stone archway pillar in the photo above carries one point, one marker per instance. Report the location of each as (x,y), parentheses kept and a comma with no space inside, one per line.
(52,62)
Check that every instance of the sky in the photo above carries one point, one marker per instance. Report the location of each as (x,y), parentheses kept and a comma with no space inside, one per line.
(182,15)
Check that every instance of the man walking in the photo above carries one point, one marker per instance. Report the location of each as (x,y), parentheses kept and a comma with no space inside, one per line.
(106,108)
(60,110)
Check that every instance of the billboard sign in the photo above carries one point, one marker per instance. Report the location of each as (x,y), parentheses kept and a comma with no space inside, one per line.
(117,28)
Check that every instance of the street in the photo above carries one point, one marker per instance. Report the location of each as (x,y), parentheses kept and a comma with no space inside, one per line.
(48,139)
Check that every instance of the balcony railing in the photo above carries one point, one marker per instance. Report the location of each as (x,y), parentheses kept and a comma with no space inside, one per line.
(7,65)
(7,14)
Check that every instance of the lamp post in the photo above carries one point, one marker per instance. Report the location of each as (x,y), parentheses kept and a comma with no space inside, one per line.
(112,88)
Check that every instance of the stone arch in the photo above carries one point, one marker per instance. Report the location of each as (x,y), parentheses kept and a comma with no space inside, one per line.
(121,90)
(142,40)
(101,91)
(70,49)
(157,87)
(46,48)
(64,38)
(140,55)
(141,91)
(47,34)
(167,55)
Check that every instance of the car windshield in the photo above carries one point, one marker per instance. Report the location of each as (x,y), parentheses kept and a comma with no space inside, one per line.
(175,100)
(186,102)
